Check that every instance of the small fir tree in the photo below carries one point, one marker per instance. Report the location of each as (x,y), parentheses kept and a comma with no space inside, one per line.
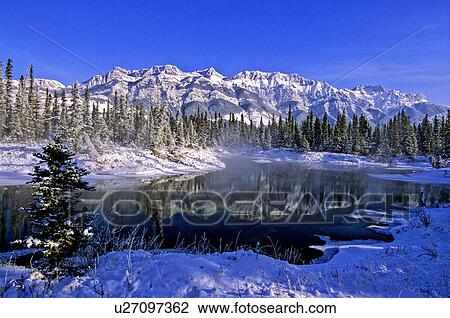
(59,227)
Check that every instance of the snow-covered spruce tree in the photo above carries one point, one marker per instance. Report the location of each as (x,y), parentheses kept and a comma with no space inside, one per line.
(18,121)
(47,117)
(447,136)
(75,117)
(100,131)
(2,102)
(87,119)
(8,98)
(63,127)
(425,136)
(34,115)
(56,113)
(59,227)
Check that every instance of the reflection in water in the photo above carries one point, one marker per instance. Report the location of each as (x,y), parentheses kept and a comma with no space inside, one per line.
(13,223)
(295,204)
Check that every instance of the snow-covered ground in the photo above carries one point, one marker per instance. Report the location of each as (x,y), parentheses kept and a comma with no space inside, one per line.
(415,264)
(311,157)
(16,161)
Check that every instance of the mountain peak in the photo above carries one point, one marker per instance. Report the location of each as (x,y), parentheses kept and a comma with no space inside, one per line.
(210,72)
(256,93)
(168,69)
(370,88)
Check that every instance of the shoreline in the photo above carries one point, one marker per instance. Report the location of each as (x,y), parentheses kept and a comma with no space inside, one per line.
(413,265)
(119,162)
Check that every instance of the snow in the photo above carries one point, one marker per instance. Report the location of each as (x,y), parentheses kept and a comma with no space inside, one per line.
(16,161)
(415,264)
(273,155)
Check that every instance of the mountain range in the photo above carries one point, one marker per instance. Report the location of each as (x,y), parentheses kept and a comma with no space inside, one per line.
(252,93)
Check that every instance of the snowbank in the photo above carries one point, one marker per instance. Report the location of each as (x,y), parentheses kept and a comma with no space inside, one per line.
(17,161)
(414,265)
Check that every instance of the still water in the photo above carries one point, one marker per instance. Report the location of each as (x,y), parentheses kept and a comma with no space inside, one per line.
(273,206)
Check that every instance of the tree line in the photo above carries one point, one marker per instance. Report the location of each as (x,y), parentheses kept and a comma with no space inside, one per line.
(74,117)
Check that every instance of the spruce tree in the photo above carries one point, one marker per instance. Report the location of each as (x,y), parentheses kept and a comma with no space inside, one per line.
(2,103)
(34,115)
(318,137)
(87,119)
(409,141)
(59,227)
(47,117)
(355,136)
(425,136)
(340,142)
(63,128)
(18,119)
(56,114)
(436,144)
(8,98)
(447,136)
(75,118)
(326,135)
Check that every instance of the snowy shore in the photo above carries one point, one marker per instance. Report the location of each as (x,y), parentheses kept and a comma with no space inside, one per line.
(16,161)
(415,264)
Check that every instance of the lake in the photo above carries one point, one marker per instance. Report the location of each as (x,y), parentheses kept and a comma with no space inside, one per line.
(279,208)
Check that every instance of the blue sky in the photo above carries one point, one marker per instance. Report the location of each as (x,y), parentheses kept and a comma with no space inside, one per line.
(317,39)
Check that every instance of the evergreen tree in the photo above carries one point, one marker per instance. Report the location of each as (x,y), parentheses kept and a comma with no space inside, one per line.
(376,140)
(2,103)
(384,150)
(447,136)
(75,118)
(318,137)
(436,144)
(326,133)
(56,114)
(365,133)
(356,139)
(59,227)
(409,141)
(18,122)
(425,136)
(340,142)
(34,116)
(63,128)
(47,118)
(87,118)
(8,98)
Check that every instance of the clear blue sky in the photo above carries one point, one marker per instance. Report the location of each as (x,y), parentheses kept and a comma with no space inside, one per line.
(317,39)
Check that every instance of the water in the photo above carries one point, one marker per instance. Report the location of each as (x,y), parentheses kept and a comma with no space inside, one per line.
(330,195)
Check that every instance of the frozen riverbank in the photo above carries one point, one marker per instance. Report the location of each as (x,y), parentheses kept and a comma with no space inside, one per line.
(17,161)
(415,264)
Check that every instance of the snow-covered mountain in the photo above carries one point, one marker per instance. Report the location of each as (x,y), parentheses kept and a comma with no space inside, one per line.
(253,93)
